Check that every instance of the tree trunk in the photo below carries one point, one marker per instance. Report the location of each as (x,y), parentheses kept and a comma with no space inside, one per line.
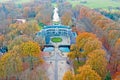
(31,63)
(78,59)
(17,78)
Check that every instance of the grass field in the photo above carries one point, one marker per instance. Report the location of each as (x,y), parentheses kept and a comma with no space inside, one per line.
(3,1)
(97,3)
(17,1)
(90,3)
(23,1)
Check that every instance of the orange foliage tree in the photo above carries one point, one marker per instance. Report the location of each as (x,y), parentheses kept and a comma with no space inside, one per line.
(116,76)
(66,18)
(117,55)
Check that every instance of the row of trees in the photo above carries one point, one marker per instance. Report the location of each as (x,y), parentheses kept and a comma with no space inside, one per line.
(113,14)
(106,29)
(65,12)
(108,32)
(87,58)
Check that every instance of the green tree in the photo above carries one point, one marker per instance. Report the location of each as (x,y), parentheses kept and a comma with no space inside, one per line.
(108,76)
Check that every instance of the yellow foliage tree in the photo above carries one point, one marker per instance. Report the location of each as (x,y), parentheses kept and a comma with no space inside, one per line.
(83,37)
(28,28)
(68,76)
(97,61)
(2,72)
(31,50)
(90,45)
(85,43)
(75,53)
(86,73)
(31,29)
(11,64)
(18,41)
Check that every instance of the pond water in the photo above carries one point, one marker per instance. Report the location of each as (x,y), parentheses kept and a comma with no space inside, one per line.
(48,49)
(64,49)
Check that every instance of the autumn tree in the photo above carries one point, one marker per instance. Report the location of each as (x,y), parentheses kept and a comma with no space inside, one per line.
(28,28)
(66,18)
(26,10)
(86,73)
(68,76)
(117,50)
(85,43)
(45,13)
(1,40)
(31,29)
(32,51)
(64,7)
(115,57)
(97,61)
(12,65)
(2,70)
(10,36)
(81,40)
(116,76)
(18,41)
(90,45)
(40,41)
(113,36)
(74,53)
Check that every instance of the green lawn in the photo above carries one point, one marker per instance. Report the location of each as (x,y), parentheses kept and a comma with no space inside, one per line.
(3,1)
(96,3)
(23,1)
(56,39)
(18,1)
(90,3)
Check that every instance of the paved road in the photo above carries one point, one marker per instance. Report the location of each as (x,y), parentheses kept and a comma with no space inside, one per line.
(58,63)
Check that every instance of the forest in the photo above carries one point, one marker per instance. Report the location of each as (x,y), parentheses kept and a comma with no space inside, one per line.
(94,56)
